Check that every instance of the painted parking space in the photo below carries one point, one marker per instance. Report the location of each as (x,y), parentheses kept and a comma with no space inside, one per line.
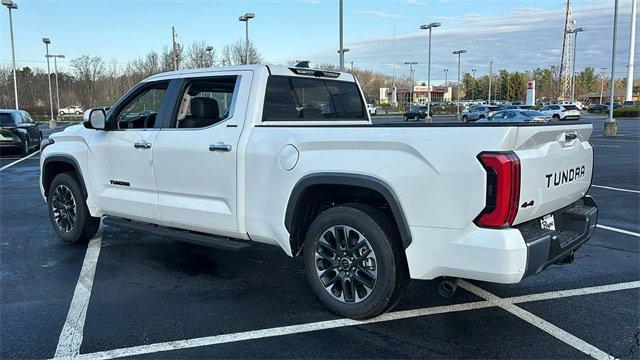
(156,298)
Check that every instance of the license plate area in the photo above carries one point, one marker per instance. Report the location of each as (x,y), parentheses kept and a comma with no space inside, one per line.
(548,222)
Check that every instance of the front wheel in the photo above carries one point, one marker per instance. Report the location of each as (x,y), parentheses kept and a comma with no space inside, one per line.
(68,210)
(556,117)
(25,146)
(465,119)
(353,260)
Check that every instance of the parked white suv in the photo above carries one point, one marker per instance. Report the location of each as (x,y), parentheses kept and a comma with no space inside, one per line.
(70,110)
(561,112)
(288,156)
(372,109)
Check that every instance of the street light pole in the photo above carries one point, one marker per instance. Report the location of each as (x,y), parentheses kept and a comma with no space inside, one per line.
(573,69)
(12,6)
(246,17)
(474,84)
(490,76)
(208,52)
(429,27)
(602,83)
(458,52)
(52,121)
(610,126)
(446,77)
(55,69)
(632,46)
(411,72)
(341,50)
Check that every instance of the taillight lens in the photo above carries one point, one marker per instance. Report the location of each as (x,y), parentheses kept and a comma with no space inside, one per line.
(503,189)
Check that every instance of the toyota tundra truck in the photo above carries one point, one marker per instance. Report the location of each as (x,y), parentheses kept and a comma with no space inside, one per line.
(229,156)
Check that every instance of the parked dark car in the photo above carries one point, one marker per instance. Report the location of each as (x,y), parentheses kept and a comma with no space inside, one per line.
(516,115)
(416,112)
(19,131)
(598,108)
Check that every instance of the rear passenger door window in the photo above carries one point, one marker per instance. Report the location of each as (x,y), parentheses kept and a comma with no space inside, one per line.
(306,99)
(205,102)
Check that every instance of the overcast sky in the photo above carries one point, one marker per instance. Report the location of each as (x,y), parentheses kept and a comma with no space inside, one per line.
(515,34)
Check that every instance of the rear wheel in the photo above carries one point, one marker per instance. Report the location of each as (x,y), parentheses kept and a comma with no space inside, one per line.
(465,119)
(68,210)
(25,146)
(406,118)
(354,261)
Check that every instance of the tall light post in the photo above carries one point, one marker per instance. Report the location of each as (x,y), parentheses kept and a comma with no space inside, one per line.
(12,6)
(55,69)
(490,76)
(610,126)
(245,18)
(52,121)
(341,49)
(411,72)
(458,52)
(573,70)
(628,96)
(602,82)
(446,77)
(474,84)
(208,51)
(429,27)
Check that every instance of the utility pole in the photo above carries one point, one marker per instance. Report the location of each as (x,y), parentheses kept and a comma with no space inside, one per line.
(610,126)
(394,93)
(411,74)
(173,40)
(12,6)
(490,76)
(602,83)
(55,69)
(632,48)
(341,51)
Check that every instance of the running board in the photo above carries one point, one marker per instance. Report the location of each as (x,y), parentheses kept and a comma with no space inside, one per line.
(178,234)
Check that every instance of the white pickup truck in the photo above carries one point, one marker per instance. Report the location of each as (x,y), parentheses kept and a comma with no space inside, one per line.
(289,156)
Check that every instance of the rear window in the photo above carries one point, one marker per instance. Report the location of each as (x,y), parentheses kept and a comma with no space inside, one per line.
(6,120)
(302,99)
(570,107)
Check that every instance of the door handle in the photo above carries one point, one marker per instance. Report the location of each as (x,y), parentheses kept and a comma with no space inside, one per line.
(142,145)
(219,147)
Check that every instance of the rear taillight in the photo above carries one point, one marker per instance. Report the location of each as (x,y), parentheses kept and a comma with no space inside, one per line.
(503,189)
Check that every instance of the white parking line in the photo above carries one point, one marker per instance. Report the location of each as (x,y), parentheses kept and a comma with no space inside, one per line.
(616,189)
(340,323)
(17,161)
(538,322)
(627,232)
(71,335)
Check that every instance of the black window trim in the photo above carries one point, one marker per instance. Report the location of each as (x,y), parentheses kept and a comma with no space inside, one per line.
(329,120)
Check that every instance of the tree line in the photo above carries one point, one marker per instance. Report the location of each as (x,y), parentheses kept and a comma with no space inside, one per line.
(90,81)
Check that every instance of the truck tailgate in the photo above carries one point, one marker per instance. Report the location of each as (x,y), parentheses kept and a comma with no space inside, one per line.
(556,167)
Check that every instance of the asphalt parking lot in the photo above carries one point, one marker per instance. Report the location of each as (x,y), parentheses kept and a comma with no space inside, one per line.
(128,294)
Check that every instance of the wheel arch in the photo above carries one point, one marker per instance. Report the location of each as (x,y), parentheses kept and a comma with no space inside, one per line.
(56,164)
(302,207)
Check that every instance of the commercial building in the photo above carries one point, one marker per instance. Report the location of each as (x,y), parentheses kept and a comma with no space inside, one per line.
(420,94)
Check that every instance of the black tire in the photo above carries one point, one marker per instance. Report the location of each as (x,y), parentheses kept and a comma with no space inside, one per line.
(392,276)
(465,119)
(78,113)
(84,226)
(61,113)
(24,150)
(556,117)
(406,118)
(39,142)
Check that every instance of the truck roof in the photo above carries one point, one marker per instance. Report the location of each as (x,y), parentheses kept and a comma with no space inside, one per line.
(271,69)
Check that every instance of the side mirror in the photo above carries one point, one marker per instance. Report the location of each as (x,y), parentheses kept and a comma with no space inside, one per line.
(95,117)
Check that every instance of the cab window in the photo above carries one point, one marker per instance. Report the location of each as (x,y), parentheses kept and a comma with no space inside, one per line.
(205,102)
(305,99)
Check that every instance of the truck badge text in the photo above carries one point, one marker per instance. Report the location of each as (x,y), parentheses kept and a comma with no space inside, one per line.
(566,176)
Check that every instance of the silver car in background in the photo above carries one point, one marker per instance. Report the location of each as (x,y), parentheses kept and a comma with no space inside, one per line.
(516,115)
(476,113)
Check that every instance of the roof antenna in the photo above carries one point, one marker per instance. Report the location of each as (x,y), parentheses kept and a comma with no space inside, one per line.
(302,64)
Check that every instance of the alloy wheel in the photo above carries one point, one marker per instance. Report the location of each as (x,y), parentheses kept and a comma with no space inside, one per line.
(346,264)
(63,206)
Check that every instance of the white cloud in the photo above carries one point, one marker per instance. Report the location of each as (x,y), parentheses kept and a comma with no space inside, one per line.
(380,14)
(415,2)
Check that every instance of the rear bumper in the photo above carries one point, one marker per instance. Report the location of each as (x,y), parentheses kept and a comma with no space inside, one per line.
(500,255)
(574,226)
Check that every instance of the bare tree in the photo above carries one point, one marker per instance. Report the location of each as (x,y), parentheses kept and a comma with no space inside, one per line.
(88,71)
(234,54)
(197,56)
